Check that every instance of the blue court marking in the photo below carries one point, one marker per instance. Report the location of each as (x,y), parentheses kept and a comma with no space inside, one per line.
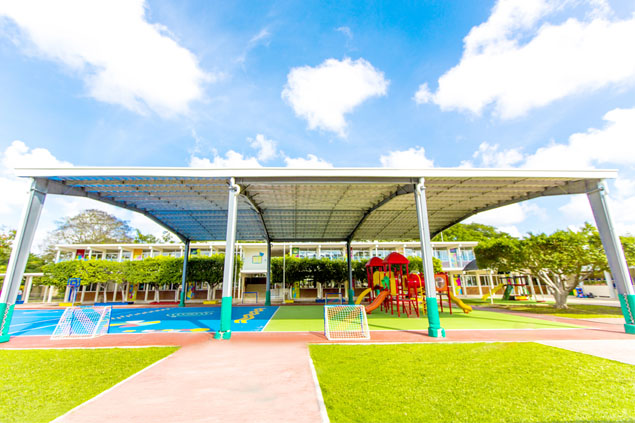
(150,320)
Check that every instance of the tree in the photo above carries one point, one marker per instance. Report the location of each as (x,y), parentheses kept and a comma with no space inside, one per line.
(502,255)
(6,242)
(92,227)
(561,260)
(88,227)
(34,263)
(470,232)
(141,238)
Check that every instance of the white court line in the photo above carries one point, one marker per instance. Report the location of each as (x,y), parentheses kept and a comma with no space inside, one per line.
(13,333)
(270,319)
(110,389)
(318,392)
(30,323)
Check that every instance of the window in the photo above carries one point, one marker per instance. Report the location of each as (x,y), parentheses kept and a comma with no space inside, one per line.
(442,254)
(467,255)
(112,256)
(361,254)
(332,254)
(383,252)
(469,280)
(413,252)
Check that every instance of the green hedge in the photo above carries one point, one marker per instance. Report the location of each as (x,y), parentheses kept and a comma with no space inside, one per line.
(325,270)
(157,270)
(168,270)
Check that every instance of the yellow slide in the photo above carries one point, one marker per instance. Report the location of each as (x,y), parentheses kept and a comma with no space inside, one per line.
(493,291)
(466,308)
(361,296)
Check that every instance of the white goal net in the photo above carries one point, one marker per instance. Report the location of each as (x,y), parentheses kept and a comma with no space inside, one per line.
(345,322)
(82,322)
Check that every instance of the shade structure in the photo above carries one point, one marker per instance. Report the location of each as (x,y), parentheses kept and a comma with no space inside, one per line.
(311,205)
(282,204)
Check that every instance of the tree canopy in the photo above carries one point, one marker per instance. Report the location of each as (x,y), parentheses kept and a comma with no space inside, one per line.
(92,227)
(471,232)
(561,260)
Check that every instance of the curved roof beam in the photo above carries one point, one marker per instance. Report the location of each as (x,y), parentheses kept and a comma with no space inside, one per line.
(56,187)
(244,192)
(402,190)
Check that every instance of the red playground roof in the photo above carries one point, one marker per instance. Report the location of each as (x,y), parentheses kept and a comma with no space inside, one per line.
(396,258)
(375,262)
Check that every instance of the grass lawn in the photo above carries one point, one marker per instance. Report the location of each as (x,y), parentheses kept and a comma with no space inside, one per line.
(40,385)
(481,382)
(311,318)
(575,311)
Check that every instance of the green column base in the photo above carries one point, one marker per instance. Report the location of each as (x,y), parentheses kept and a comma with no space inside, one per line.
(351,297)
(436,332)
(268,298)
(6,313)
(434,329)
(630,329)
(223,335)
(225,331)
(628,302)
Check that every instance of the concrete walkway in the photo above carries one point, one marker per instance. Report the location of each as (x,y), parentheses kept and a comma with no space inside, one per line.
(622,350)
(214,381)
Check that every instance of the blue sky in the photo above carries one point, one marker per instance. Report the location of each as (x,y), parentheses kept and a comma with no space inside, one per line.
(508,83)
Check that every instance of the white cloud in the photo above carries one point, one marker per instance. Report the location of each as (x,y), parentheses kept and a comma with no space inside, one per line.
(346,31)
(324,94)
(122,58)
(517,60)
(263,35)
(311,162)
(506,217)
(490,156)
(266,148)
(612,144)
(14,192)
(231,159)
(412,158)
(423,94)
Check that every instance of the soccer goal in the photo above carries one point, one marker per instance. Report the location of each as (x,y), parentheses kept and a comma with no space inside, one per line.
(345,322)
(82,322)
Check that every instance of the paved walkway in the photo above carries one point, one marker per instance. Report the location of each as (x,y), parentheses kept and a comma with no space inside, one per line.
(614,349)
(214,381)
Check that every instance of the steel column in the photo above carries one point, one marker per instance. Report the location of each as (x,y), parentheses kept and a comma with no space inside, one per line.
(434,323)
(268,285)
(228,271)
(20,254)
(614,254)
(186,259)
(349,263)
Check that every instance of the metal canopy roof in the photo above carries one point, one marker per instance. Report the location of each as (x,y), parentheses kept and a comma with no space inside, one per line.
(310,204)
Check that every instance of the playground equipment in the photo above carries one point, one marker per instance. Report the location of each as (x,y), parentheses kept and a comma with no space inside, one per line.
(516,289)
(394,288)
(493,291)
(443,288)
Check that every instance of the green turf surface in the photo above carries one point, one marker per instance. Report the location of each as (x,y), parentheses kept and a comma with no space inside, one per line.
(40,385)
(496,382)
(311,318)
(575,311)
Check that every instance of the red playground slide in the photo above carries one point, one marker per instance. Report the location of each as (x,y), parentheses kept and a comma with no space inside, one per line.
(380,299)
